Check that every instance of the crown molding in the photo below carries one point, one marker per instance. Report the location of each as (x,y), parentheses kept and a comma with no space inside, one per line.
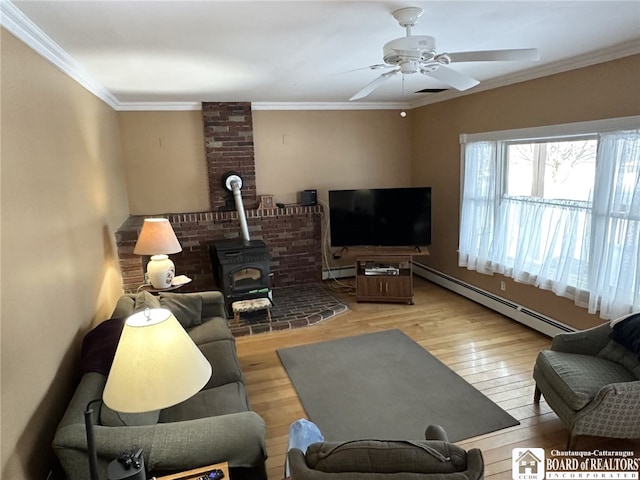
(157,106)
(16,22)
(329,106)
(177,106)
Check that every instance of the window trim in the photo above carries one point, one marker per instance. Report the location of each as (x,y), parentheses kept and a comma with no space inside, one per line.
(559,130)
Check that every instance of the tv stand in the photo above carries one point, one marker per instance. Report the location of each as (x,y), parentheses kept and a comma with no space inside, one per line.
(384,278)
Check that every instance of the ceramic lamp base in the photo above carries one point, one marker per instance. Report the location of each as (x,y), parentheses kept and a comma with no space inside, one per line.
(161,271)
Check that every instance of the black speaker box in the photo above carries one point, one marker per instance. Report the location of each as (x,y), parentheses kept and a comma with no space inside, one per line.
(308,198)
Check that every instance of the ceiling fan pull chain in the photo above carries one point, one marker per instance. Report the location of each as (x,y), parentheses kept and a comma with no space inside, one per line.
(402,112)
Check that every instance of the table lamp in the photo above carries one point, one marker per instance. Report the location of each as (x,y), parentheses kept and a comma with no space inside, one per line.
(156,365)
(158,239)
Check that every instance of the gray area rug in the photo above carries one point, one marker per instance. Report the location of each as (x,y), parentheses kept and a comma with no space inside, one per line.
(385,386)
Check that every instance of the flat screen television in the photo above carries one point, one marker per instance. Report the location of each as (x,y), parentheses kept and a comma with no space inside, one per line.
(390,217)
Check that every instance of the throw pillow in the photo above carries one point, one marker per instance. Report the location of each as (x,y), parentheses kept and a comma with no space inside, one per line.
(99,346)
(186,308)
(145,300)
(614,352)
(615,321)
(627,333)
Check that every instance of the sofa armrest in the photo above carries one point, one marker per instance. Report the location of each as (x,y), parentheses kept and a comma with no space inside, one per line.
(298,464)
(124,307)
(585,342)
(237,438)
(475,464)
(212,304)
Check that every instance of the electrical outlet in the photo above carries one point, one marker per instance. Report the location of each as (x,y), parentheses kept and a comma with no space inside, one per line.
(503,286)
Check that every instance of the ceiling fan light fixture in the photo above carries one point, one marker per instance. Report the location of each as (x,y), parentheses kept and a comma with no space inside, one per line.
(416,46)
(409,66)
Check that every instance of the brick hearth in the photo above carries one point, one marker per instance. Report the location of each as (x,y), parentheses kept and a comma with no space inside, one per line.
(295,306)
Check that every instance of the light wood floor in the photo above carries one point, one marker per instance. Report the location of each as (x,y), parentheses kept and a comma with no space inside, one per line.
(493,353)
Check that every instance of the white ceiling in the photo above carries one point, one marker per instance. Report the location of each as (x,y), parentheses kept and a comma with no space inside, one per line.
(292,52)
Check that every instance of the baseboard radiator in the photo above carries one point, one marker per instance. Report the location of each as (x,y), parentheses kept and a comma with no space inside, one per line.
(520,314)
(338,272)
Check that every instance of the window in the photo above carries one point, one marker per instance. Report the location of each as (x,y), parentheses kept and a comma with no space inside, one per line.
(552,170)
(559,208)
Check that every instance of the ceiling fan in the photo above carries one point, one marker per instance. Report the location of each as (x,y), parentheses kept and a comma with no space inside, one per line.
(417,54)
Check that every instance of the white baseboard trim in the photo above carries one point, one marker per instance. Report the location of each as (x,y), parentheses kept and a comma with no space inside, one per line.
(519,313)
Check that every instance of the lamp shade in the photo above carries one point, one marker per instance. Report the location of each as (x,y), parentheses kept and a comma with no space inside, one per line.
(156,364)
(157,237)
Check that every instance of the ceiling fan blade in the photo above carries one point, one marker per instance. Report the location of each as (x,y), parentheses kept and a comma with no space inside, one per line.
(373,85)
(377,66)
(457,80)
(521,54)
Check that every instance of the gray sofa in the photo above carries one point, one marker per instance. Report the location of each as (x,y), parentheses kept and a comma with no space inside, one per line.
(215,425)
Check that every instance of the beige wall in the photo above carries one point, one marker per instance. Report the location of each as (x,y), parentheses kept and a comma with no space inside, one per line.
(63,196)
(603,91)
(164,161)
(323,150)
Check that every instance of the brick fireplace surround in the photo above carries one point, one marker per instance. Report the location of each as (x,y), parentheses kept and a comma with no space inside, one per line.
(292,234)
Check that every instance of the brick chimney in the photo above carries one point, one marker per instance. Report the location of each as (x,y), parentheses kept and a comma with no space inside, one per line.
(228,134)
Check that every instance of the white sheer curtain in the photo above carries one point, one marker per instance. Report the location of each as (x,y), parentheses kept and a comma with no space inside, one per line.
(587,251)
(478,212)
(614,277)
(542,242)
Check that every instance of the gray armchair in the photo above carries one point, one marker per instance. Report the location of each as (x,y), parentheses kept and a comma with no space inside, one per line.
(591,380)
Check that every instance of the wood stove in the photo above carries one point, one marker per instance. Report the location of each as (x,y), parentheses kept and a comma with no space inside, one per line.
(241,269)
